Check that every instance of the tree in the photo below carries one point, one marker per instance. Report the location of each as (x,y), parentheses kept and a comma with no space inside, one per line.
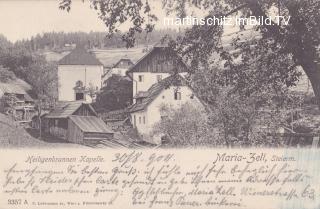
(117,94)
(44,79)
(4,43)
(186,126)
(298,41)
(6,75)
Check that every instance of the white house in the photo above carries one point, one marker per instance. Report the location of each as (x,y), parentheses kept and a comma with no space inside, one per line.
(157,81)
(159,63)
(172,91)
(79,76)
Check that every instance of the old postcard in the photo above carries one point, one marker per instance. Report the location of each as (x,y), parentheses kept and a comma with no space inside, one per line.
(159,104)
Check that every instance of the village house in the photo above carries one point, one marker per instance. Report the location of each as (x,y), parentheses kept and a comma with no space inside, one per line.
(76,122)
(79,76)
(157,64)
(119,68)
(157,81)
(18,102)
(171,92)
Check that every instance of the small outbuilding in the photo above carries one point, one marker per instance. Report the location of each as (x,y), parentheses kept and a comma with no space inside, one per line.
(87,130)
(76,122)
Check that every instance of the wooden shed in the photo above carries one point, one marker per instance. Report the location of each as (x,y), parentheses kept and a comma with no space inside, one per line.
(75,122)
(88,130)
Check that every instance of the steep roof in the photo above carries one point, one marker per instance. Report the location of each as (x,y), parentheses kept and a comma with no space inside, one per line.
(66,109)
(156,49)
(156,89)
(91,124)
(79,56)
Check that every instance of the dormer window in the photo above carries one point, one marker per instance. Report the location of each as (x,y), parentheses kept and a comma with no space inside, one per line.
(141,78)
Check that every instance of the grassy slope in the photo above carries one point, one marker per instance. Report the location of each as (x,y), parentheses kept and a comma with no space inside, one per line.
(12,135)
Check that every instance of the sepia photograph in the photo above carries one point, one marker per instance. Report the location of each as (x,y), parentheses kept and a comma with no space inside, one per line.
(140,104)
(159,74)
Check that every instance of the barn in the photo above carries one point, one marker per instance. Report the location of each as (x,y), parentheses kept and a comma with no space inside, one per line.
(76,122)
(87,130)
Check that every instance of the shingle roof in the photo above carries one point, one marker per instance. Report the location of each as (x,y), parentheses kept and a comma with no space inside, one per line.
(79,56)
(182,67)
(66,109)
(156,89)
(91,124)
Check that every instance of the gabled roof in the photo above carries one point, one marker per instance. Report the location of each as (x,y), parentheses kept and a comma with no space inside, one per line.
(155,49)
(66,109)
(17,86)
(122,65)
(79,56)
(90,124)
(156,89)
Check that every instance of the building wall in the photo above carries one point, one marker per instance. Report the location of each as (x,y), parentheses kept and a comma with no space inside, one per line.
(161,59)
(140,121)
(148,80)
(57,127)
(68,75)
(74,134)
(153,114)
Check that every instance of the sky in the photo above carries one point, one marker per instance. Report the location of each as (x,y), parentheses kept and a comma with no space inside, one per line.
(21,19)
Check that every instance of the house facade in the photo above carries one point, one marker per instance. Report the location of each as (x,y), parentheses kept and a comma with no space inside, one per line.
(171,92)
(157,64)
(79,76)
(121,67)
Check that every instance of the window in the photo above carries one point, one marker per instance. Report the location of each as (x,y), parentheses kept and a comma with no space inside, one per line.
(79,96)
(56,123)
(177,95)
(159,78)
(134,120)
(139,120)
(144,120)
(140,78)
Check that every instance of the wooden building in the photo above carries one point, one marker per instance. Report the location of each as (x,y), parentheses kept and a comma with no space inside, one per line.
(88,130)
(159,63)
(75,122)
(16,101)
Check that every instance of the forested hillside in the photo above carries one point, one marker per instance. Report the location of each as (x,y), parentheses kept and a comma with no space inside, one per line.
(58,40)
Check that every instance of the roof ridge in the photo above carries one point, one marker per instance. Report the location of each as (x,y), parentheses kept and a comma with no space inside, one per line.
(79,56)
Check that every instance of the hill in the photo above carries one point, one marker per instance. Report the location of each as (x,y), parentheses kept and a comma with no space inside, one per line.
(12,135)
